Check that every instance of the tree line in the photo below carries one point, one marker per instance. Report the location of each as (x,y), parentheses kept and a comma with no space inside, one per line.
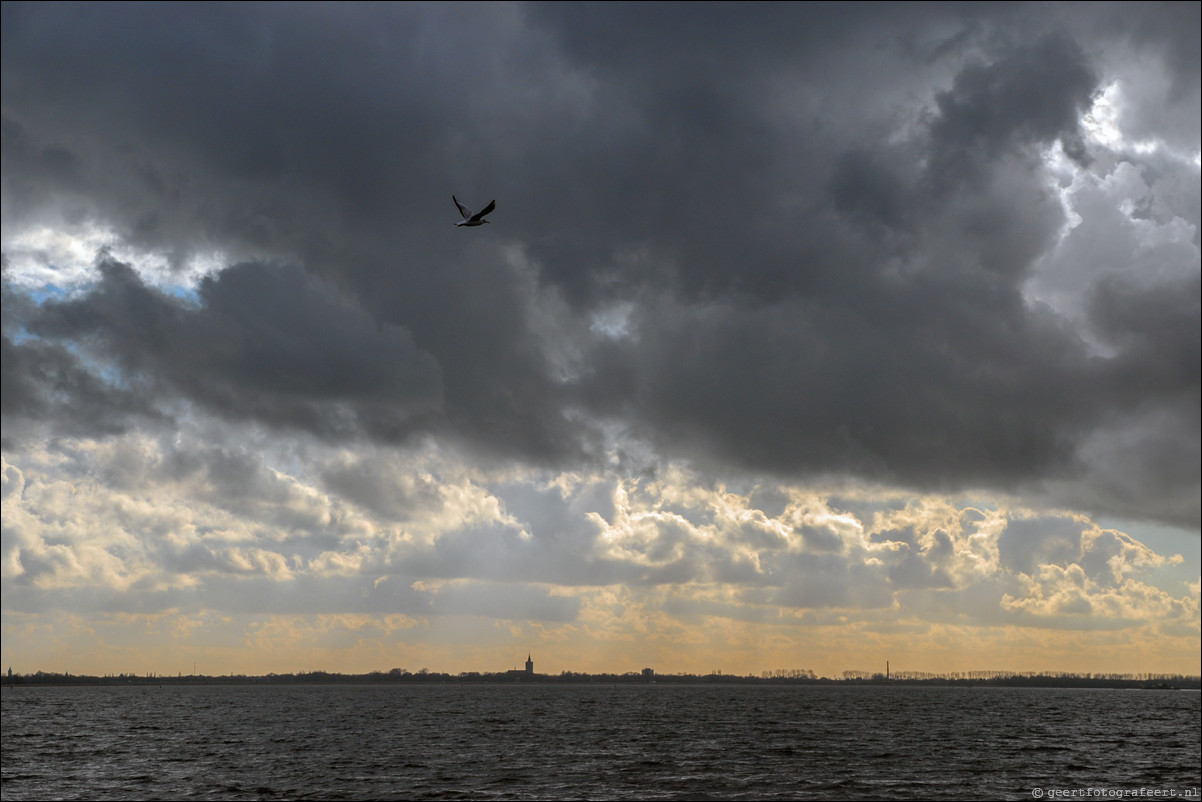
(646,676)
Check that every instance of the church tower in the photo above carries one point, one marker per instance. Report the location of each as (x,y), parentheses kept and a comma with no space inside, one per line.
(529,665)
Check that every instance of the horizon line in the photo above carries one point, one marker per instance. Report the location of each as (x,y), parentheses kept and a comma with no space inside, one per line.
(853,675)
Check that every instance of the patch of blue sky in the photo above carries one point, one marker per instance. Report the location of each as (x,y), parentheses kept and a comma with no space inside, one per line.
(112,375)
(183,292)
(21,335)
(52,292)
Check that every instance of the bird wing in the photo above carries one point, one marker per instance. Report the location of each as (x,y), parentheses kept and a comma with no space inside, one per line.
(463,210)
(491,205)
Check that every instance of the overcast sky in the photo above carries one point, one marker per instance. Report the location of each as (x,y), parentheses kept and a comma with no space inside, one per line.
(802,336)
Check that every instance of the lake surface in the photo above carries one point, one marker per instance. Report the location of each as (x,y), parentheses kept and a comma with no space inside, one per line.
(594,742)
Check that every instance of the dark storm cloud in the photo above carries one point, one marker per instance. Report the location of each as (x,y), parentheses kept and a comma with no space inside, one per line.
(1146,323)
(266,343)
(821,219)
(883,392)
(1168,31)
(1035,94)
(46,381)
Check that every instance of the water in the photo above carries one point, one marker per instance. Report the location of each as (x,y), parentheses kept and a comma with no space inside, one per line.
(593,742)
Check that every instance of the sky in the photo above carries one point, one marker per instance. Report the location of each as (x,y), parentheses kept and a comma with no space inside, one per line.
(803,336)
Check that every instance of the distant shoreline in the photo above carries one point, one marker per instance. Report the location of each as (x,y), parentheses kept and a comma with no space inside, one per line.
(1051,680)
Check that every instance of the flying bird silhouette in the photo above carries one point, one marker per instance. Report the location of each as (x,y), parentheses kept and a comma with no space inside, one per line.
(470,219)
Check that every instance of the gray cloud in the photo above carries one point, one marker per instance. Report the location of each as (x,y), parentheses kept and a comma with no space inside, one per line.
(148,526)
(266,343)
(1026,545)
(822,223)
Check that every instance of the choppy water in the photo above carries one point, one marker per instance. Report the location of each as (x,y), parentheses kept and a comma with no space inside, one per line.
(593,742)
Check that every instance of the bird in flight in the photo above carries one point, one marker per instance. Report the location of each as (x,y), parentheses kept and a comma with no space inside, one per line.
(470,219)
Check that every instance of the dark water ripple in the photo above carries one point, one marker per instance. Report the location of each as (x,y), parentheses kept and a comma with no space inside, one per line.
(592,742)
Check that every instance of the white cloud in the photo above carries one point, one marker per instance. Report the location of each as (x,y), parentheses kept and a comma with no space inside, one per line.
(145,516)
(39,257)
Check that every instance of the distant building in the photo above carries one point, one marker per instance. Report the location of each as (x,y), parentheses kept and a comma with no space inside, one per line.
(648,673)
(519,674)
